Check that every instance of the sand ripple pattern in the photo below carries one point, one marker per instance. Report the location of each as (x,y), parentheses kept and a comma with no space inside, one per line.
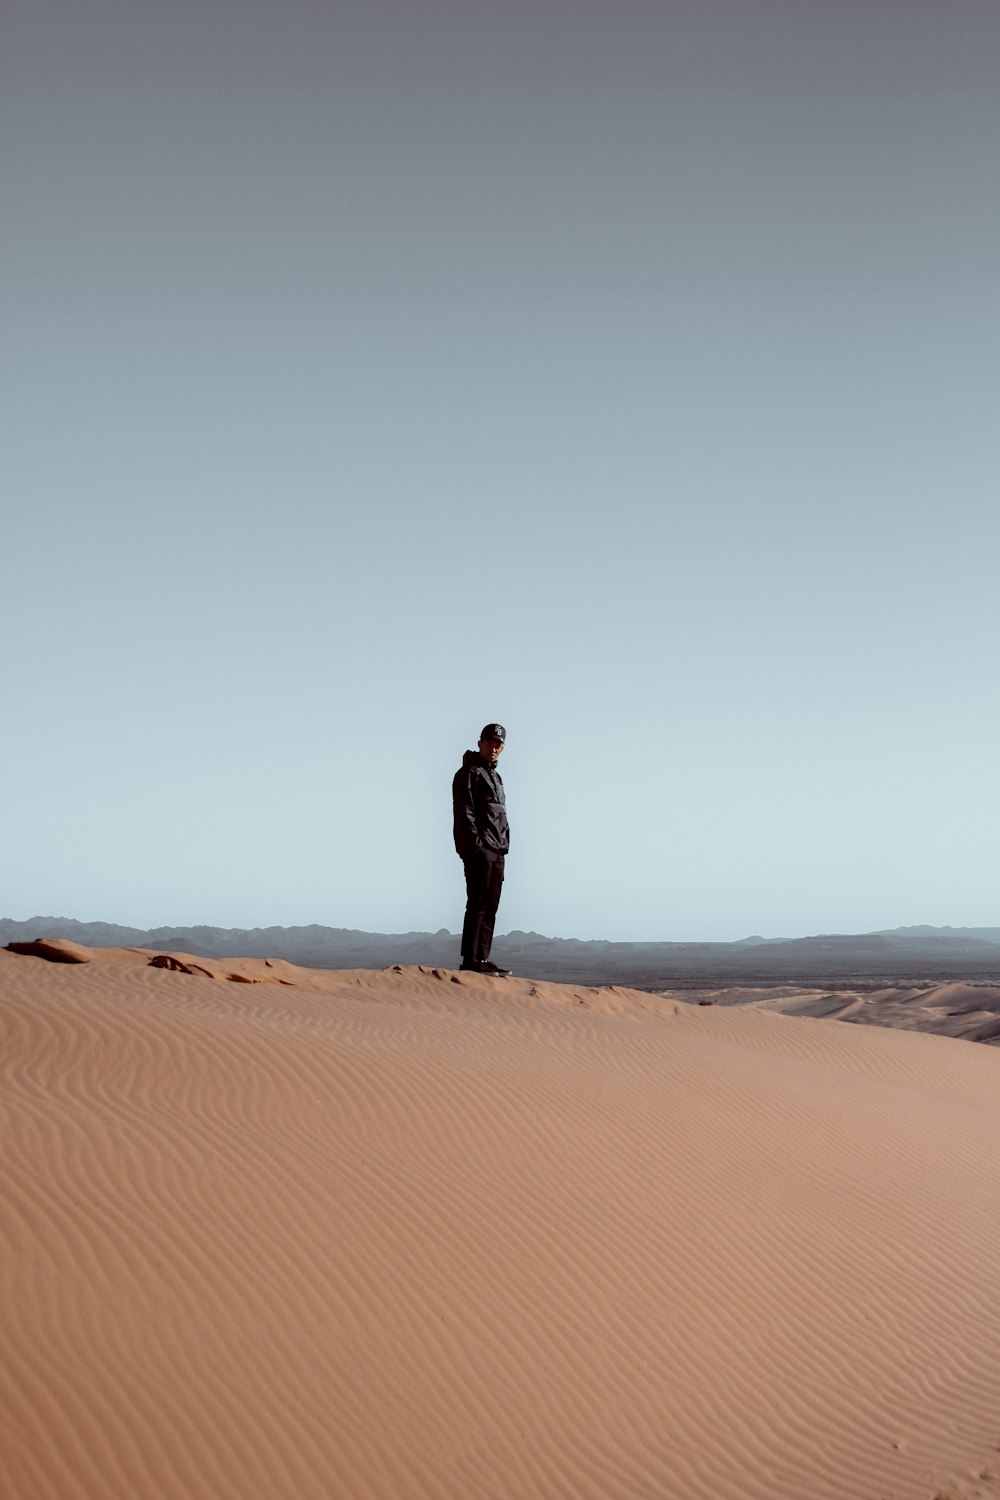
(411,1235)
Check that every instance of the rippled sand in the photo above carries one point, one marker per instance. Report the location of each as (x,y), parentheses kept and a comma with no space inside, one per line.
(413,1234)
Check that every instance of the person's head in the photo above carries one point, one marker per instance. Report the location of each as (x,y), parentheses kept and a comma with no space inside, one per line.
(491,742)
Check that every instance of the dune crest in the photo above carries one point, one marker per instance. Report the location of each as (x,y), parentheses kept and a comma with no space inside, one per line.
(53,950)
(419,1233)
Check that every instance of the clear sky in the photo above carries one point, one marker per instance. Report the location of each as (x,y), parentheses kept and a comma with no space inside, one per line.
(628,372)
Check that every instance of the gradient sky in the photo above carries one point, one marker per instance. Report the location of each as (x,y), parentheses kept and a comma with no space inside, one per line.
(628,372)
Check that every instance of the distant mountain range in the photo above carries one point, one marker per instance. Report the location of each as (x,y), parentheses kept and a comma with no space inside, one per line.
(987,934)
(901,953)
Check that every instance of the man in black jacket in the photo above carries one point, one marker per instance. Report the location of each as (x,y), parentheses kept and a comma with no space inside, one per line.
(482,838)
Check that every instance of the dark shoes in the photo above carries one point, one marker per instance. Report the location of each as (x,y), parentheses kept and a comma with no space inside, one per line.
(486,967)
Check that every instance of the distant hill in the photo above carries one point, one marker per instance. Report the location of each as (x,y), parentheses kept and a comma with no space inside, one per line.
(903,954)
(987,934)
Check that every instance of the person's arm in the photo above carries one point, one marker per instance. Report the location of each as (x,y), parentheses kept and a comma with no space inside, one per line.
(466,831)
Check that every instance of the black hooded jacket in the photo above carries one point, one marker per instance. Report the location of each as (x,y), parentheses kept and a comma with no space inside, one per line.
(480,808)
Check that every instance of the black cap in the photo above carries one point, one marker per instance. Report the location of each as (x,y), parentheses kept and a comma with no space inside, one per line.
(494,732)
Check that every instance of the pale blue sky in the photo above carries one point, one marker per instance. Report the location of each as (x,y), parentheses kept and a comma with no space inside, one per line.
(628,373)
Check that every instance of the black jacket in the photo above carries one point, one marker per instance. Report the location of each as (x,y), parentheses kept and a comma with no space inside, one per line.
(480,808)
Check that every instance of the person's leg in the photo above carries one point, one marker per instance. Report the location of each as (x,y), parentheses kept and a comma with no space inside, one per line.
(483,884)
(477,895)
(494,885)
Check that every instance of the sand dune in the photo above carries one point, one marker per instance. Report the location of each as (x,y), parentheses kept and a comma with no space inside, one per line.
(413,1234)
(966,1009)
(969,1011)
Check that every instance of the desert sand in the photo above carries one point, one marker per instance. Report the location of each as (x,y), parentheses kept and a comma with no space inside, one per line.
(413,1234)
(955,1009)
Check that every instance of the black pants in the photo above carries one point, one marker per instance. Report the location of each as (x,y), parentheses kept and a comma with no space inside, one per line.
(483,884)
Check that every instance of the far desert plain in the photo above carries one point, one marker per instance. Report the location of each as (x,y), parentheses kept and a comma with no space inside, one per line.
(312,1214)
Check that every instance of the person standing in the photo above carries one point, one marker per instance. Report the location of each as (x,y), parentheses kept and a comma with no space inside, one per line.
(482,838)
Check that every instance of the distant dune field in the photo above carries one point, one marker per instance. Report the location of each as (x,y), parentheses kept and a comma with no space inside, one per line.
(970,1011)
(277,1234)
